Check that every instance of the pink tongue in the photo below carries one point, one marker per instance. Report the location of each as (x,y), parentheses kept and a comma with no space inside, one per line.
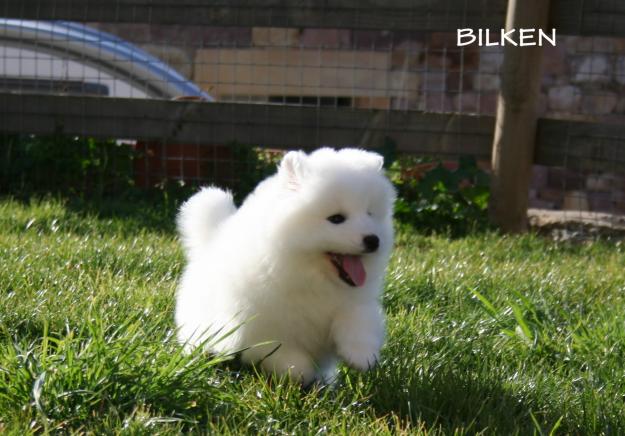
(354,269)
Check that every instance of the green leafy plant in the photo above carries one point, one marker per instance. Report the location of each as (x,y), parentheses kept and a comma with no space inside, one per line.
(64,164)
(441,197)
(255,165)
(433,196)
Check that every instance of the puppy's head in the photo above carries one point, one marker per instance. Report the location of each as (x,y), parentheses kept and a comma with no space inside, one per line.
(339,214)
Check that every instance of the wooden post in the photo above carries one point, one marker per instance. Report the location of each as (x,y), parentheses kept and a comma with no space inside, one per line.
(515,127)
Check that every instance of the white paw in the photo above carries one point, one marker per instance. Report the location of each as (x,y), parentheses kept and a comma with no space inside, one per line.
(297,365)
(361,356)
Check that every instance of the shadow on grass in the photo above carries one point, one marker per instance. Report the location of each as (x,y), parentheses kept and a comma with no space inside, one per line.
(140,212)
(473,401)
(153,210)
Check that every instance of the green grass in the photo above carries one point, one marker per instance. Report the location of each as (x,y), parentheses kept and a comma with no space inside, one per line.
(485,334)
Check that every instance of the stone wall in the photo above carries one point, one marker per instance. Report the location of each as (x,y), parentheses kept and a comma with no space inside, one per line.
(583,79)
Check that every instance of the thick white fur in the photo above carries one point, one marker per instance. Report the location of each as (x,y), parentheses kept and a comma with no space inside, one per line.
(261,272)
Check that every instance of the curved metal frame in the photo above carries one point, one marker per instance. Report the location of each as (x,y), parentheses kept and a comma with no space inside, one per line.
(103,51)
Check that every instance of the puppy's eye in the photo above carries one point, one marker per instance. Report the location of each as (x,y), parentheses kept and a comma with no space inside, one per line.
(337,218)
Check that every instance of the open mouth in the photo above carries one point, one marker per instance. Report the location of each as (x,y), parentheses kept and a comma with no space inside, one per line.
(349,268)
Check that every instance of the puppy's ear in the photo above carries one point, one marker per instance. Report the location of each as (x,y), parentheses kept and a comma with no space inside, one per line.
(292,169)
(363,158)
(376,161)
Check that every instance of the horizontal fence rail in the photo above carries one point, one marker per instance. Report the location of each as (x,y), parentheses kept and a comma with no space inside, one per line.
(267,125)
(580,145)
(574,144)
(572,17)
(371,14)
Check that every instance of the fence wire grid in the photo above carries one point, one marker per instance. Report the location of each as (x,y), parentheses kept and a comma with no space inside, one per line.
(297,75)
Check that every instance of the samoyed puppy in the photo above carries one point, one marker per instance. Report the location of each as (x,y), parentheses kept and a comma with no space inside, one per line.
(292,278)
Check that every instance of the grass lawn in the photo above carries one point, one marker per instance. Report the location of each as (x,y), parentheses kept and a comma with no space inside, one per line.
(485,334)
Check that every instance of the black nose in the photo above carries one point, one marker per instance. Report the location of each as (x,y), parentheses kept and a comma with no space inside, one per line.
(372,242)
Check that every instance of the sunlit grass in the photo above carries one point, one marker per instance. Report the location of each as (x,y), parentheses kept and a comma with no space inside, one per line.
(485,334)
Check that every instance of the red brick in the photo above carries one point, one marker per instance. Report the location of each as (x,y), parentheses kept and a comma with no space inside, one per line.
(173,150)
(457,81)
(328,38)
(439,40)
(173,168)
(221,152)
(190,169)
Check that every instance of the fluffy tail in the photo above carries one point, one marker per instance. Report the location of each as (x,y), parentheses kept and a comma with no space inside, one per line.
(201,215)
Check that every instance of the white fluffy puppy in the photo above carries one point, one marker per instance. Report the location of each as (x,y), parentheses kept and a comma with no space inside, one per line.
(295,272)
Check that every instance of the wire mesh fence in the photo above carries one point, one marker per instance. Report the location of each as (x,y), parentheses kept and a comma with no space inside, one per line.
(583,81)
(318,69)
(289,77)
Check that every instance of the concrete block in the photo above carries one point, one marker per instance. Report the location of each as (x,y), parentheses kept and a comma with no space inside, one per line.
(600,202)
(436,102)
(593,68)
(551,195)
(275,37)
(475,102)
(569,43)
(561,178)
(566,98)
(491,59)
(555,61)
(596,44)
(539,177)
(405,60)
(434,81)
(619,73)
(300,72)
(600,103)
(459,81)
(372,39)
(605,182)
(618,202)
(537,203)
(201,36)
(486,82)
(326,38)
(576,200)
(436,62)
(371,102)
